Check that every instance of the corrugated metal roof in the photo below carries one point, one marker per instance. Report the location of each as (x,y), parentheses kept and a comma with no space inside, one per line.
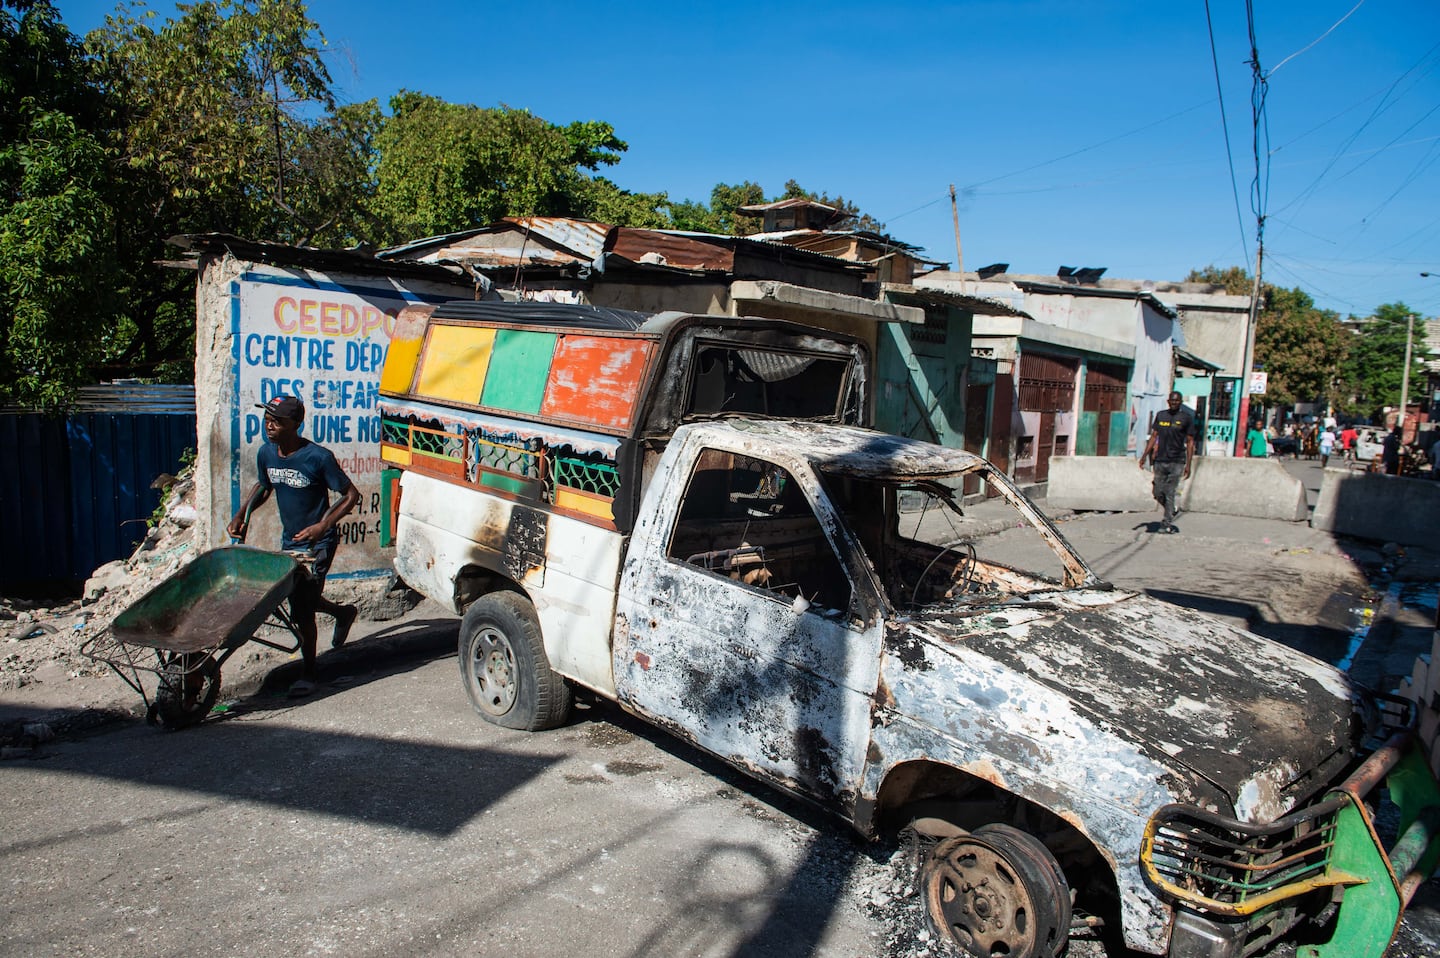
(981,305)
(308,257)
(673,250)
(585,238)
(794,201)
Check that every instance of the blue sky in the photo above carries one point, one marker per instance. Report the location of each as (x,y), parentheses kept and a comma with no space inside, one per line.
(1077,134)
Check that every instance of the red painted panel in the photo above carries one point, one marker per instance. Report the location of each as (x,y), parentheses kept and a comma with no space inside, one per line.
(596,380)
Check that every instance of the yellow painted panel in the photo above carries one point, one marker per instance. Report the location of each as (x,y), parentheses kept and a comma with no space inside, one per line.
(580,502)
(396,454)
(455,361)
(399,369)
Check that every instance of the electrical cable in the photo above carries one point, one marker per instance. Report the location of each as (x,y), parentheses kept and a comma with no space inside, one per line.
(1322,36)
(1225,126)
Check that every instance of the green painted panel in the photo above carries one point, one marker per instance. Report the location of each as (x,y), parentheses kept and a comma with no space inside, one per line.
(1119,430)
(519,370)
(1087,437)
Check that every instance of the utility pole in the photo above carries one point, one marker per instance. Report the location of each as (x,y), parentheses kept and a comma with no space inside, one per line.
(959,255)
(1405,375)
(1242,424)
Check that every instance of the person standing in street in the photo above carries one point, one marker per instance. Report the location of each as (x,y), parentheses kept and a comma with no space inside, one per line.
(1327,446)
(1255,442)
(1390,453)
(302,474)
(1171,447)
(1348,437)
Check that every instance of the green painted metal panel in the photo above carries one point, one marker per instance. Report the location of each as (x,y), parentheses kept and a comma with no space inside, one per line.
(920,374)
(519,371)
(1087,437)
(1119,428)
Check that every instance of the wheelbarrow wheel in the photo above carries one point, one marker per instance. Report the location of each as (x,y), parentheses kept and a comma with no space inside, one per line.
(185,696)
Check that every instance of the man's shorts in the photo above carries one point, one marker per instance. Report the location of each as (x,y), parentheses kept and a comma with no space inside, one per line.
(322,553)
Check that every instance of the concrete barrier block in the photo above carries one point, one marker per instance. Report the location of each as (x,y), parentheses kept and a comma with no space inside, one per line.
(1259,488)
(1419,679)
(1099,484)
(1381,508)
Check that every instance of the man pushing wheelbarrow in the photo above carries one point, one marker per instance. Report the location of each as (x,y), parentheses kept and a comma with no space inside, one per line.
(302,474)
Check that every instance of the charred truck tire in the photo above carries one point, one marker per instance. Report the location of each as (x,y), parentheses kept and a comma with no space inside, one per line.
(997,891)
(504,668)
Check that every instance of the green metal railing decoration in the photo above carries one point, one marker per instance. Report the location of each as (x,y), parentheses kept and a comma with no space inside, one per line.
(395,432)
(597,478)
(516,460)
(431,442)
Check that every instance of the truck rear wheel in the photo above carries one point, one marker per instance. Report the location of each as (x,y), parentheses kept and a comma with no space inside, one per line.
(504,668)
(997,891)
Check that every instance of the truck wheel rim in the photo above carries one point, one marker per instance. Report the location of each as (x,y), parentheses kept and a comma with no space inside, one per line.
(493,666)
(977,897)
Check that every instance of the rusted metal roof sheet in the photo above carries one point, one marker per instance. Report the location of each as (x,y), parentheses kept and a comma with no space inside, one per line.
(585,238)
(672,249)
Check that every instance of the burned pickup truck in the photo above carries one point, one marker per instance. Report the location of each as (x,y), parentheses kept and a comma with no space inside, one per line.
(684,515)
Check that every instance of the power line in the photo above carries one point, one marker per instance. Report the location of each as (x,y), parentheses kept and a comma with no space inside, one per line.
(1225,125)
(1276,67)
(1384,104)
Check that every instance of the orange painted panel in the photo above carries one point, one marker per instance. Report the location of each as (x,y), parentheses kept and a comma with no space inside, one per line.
(596,379)
(456,359)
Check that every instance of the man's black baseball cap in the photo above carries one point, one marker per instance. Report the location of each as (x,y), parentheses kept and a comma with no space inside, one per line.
(284,407)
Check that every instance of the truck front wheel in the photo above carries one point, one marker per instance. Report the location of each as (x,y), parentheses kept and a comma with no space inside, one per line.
(997,891)
(504,668)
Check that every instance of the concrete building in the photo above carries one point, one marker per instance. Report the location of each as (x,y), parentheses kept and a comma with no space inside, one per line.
(1087,364)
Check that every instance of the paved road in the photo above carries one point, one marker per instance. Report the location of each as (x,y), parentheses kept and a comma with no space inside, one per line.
(382,817)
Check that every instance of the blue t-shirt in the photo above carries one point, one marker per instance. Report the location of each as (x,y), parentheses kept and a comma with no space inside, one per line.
(301,482)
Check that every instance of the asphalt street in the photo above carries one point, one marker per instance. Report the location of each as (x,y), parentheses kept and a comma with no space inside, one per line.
(382,817)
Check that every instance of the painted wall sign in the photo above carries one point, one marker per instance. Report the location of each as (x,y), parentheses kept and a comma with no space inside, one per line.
(325,342)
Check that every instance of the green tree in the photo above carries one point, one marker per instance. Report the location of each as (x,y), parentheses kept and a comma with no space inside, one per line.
(57,263)
(226,123)
(1299,345)
(1375,366)
(442,167)
(1301,348)
(1236,279)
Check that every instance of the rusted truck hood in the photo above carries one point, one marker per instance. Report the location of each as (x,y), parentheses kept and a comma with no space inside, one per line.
(1254,718)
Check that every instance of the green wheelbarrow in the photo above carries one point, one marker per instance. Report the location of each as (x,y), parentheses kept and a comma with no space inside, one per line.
(185,628)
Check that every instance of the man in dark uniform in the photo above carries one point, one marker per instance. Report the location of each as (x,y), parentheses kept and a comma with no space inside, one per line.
(1171,447)
(302,474)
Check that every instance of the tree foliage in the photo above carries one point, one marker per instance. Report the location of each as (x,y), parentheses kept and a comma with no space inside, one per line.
(1299,345)
(57,263)
(1301,348)
(442,167)
(1375,366)
(1236,279)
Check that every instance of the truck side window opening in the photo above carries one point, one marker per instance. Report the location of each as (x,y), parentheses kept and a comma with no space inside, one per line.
(766,382)
(748,520)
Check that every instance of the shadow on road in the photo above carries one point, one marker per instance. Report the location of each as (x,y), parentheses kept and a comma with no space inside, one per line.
(417,786)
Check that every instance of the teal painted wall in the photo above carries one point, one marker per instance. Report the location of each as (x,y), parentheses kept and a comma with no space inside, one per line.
(920,377)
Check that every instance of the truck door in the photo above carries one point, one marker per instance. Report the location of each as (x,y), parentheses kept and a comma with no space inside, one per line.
(739,627)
